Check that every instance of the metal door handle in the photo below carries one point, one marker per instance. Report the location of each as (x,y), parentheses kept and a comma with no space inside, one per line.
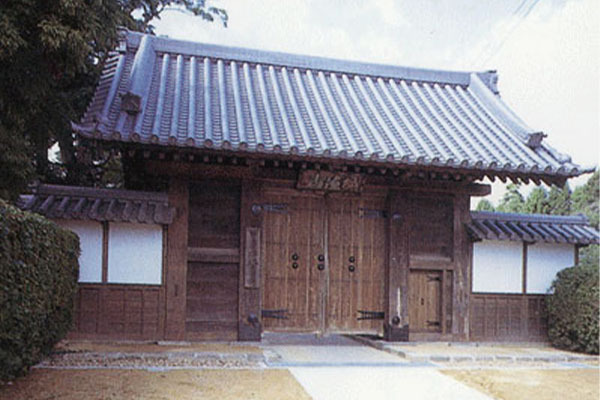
(321,267)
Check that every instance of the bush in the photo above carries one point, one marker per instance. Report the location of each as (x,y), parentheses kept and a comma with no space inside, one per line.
(573,309)
(38,281)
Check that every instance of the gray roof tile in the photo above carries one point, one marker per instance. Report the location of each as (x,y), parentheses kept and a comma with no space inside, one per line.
(115,205)
(195,95)
(532,227)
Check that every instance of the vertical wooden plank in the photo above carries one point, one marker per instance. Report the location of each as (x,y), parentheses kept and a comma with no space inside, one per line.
(249,318)
(524,269)
(162,291)
(462,276)
(177,246)
(104,252)
(396,323)
(444,277)
(252,258)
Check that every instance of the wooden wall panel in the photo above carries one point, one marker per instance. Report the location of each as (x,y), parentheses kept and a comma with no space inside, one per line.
(432,228)
(118,312)
(212,301)
(506,317)
(212,282)
(214,219)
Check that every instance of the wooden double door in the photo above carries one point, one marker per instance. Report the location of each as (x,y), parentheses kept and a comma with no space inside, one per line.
(324,262)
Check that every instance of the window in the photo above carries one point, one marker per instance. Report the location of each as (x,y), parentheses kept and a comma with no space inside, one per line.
(135,252)
(544,260)
(497,267)
(90,242)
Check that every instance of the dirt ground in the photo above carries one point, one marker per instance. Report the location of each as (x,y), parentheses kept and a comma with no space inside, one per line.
(49,384)
(527,384)
(125,347)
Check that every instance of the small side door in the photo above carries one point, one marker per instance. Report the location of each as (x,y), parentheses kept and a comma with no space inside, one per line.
(425,300)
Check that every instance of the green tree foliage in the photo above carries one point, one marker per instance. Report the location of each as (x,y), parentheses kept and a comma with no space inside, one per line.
(586,199)
(485,205)
(51,55)
(537,202)
(559,200)
(512,201)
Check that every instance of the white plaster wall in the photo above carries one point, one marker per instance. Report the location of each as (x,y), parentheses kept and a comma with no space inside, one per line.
(135,253)
(544,260)
(90,242)
(497,267)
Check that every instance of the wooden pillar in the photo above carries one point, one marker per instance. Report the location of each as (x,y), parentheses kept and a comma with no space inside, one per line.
(396,279)
(462,268)
(249,318)
(176,271)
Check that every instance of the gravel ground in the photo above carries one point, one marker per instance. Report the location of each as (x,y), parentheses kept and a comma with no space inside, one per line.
(153,360)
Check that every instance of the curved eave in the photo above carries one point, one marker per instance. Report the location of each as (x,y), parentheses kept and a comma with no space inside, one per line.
(478,170)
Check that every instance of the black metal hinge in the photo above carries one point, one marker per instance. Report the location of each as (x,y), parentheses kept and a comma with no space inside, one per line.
(370,315)
(280,208)
(371,213)
(276,314)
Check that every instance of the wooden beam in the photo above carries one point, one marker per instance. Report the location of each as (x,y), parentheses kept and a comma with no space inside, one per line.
(396,323)
(177,249)
(249,316)
(524,269)
(105,252)
(462,269)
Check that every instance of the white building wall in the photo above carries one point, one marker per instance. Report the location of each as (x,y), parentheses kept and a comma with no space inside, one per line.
(497,267)
(90,241)
(135,253)
(544,260)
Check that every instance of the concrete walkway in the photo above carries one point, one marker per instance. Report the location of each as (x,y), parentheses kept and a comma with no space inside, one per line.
(375,383)
(336,367)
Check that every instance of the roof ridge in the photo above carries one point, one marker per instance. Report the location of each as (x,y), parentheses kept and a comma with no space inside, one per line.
(301,61)
(80,191)
(578,219)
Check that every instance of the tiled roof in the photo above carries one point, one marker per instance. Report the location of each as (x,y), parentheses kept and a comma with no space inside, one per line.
(532,228)
(189,95)
(69,202)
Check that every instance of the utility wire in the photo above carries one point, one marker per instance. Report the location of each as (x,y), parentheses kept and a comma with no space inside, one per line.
(487,54)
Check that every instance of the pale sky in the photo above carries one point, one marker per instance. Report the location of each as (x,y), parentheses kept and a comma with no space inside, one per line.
(546,52)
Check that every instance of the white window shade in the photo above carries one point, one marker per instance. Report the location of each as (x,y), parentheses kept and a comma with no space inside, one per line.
(497,267)
(544,260)
(90,242)
(135,253)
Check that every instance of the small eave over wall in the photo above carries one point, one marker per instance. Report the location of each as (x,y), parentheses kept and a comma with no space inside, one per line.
(113,205)
(532,228)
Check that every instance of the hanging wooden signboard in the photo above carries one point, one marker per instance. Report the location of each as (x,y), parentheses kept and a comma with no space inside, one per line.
(330,181)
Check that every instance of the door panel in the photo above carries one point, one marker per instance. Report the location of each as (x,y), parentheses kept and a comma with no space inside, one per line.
(293,225)
(349,233)
(356,244)
(425,301)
